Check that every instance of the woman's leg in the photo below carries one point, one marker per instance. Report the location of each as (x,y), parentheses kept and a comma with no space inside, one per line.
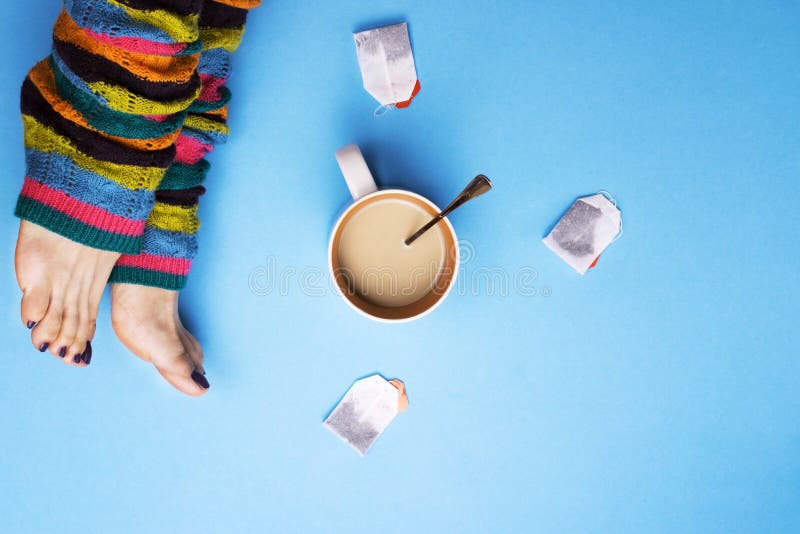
(145,286)
(101,115)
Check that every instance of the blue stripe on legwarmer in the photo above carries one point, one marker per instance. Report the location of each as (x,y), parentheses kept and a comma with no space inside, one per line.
(215,62)
(205,136)
(60,172)
(101,17)
(159,242)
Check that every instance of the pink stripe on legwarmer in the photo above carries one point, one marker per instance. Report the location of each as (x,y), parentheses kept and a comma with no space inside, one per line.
(189,150)
(136,44)
(210,88)
(164,264)
(85,213)
(158,118)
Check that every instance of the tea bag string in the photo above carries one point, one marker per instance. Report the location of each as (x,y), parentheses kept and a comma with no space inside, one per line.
(380,111)
(611,199)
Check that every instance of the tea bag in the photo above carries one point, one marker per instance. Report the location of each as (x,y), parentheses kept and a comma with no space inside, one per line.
(366,410)
(584,232)
(387,65)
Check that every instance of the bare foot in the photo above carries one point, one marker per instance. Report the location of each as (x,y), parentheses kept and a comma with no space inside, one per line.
(62,282)
(146,320)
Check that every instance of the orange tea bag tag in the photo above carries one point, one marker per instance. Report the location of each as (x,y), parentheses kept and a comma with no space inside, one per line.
(402,401)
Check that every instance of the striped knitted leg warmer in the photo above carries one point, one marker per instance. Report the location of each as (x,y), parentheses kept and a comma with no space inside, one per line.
(102,116)
(169,241)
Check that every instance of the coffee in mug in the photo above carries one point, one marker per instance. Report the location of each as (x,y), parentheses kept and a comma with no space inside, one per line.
(376,272)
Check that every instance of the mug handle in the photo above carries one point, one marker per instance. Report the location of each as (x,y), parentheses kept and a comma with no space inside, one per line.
(356,173)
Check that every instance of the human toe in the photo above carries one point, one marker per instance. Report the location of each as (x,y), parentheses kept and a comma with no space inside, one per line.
(193,348)
(35,301)
(46,331)
(180,372)
(65,342)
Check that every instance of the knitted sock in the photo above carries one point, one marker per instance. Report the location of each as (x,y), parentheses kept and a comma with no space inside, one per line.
(102,114)
(170,243)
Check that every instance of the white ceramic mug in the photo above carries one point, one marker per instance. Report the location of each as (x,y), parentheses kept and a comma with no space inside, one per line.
(364,192)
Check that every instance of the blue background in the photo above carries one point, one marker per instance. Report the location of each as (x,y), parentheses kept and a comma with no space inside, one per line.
(659,393)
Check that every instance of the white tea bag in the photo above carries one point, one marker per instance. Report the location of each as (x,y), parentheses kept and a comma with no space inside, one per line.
(584,232)
(366,410)
(387,64)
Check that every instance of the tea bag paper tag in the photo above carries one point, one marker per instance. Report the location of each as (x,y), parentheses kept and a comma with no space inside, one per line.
(387,64)
(366,410)
(586,229)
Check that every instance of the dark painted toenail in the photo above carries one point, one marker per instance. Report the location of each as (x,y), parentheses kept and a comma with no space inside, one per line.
(200,380)
(77,358)
(43,346)
(87,353)
(62,352)
(30,324)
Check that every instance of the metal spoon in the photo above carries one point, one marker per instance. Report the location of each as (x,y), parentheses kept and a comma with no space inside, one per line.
(478,186)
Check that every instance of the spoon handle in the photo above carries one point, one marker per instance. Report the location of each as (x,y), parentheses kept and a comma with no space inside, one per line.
(430,224)
(478,186)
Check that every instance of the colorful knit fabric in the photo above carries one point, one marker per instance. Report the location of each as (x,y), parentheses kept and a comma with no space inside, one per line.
(107,121)
(95,153)
(169,241)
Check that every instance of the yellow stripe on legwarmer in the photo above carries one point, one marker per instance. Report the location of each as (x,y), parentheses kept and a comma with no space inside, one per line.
(121,99)
(227,38)
(174,218)
(183,29)
(203,124)
(44,139)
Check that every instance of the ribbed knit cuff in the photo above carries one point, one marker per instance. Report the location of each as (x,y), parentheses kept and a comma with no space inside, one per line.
(72,227)
(155,271)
